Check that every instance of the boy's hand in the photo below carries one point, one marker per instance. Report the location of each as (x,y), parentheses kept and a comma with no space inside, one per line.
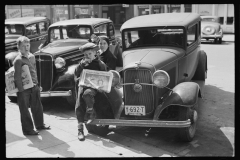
(85,62)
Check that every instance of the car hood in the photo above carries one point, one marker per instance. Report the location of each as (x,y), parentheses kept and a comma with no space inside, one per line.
(151,58)
(63,46)
(216,26)
(11,39)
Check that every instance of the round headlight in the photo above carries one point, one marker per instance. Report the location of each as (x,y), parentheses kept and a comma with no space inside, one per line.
(161,78)
(116,78)
(59,63)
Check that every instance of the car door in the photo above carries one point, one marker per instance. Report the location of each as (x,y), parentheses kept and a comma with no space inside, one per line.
(193,49)
(32,32)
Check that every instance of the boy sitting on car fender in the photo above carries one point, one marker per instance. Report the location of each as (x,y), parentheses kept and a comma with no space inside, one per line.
(85,98)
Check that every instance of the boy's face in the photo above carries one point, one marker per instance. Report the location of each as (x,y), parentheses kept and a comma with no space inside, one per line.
(24,47)
(90,54)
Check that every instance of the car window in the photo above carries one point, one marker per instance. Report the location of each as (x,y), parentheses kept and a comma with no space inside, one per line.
(154,36)
(191,35)
(55,34)
(101,30)
(43,26)
(31,30)
(14,29)
(111,30)
(72,31)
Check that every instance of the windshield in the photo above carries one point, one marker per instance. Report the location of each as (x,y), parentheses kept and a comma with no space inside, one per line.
(153,36)
(71,31)
(210,19)
(14,29)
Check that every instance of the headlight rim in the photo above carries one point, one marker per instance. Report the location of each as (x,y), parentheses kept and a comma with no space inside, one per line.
(62,60)
(168,78)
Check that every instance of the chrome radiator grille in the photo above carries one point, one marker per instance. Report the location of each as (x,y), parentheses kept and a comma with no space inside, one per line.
(44,64)
(146,96)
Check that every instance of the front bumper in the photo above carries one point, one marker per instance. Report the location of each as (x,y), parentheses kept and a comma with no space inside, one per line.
(204,36)
(49,94)
(143,123)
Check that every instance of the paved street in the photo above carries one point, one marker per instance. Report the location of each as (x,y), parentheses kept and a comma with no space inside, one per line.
(214,136)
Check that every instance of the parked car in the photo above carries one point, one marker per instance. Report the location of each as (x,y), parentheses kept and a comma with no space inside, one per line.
(35,28)
(211,29)
(162,59)
(59,54)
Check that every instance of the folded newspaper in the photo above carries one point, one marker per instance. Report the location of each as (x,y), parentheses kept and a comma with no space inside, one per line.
(96,79)
(26,79)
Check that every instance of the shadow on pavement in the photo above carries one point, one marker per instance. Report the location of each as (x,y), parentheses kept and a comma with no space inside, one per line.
(47,140)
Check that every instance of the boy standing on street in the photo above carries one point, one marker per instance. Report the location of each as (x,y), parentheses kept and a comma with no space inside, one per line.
(29,97)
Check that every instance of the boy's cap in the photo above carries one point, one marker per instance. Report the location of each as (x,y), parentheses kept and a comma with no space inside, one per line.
(88,45)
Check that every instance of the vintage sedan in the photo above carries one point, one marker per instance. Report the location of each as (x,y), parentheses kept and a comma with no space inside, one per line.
(162,61)
(35,28)
(59,54)
(211,29)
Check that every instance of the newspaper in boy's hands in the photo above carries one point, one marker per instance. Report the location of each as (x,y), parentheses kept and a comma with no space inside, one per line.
(96,79)
(26,79)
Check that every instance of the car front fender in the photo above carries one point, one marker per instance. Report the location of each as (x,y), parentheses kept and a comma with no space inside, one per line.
(184,94)
(65,79)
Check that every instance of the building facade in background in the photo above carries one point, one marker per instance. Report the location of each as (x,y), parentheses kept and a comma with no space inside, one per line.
(119,13)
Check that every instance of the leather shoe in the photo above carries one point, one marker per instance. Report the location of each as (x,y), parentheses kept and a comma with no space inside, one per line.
(31,133)
(43,127)
(81,136)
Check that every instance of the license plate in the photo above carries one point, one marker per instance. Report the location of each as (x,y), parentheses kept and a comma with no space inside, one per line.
(135,110)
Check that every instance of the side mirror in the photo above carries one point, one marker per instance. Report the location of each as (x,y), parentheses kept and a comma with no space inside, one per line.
(40,46)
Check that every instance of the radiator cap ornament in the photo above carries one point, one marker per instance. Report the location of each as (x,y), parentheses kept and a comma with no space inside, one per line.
(137,87)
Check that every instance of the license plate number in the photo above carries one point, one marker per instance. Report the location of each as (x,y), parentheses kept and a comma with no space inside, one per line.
(135,110)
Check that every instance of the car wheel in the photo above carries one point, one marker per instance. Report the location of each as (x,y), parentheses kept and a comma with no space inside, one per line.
(185,113)
(13,99)
(220,40)
(101,130)
(72,99)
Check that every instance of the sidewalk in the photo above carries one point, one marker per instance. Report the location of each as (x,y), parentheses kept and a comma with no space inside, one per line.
(62,141)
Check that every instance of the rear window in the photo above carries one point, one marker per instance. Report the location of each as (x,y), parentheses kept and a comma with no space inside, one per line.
(14,29)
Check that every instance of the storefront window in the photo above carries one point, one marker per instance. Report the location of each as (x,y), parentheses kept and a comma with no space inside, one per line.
(60,13)
(157,9)
(174,8)
(83,11)
(187,8)
(143,10)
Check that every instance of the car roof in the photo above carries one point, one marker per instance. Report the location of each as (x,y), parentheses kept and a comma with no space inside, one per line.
(162,19)
(82,21)
(24,20)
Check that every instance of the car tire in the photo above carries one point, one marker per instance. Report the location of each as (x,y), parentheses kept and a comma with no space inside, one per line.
(72,99)
(13,99)
(99,130)
(220,40)
(201,71)
(187,134)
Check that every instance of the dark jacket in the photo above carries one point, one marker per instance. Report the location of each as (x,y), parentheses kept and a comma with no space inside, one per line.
(96,64)
(109,59)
